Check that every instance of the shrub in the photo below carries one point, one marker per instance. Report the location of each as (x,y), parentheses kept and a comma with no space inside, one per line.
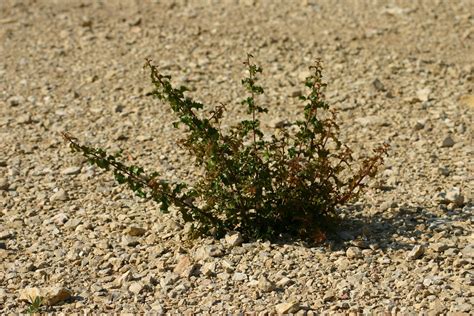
(290,183)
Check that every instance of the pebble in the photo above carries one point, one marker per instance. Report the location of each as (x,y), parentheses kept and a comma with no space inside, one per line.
(447,142)
(419,126)
(15,100)
(265,285)
(454,196)
(135,231)
(416,252)
(136,287)
(423,94)
(6,235)
(468,251)
(60,195)
(439,247)
(238,276)
(234,239)
(129,241)
(50,295)
(287,308)
(185,267)
(467,100)
(4,185)
(209,251)
(353,253)
(209,269)
(71,170)
(379,86)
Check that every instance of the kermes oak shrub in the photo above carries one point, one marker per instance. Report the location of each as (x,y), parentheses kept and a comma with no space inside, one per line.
(291,183)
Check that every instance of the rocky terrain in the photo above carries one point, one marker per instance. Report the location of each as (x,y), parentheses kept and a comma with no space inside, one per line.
(399,72)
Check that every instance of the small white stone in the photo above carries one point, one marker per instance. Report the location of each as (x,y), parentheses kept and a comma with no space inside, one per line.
(287,308)
(423,94)
(234,239)
(61,195)
(416,252)
(454,196)
(353,252)
(265,285)
(136,287)
(238,276)
(209,268)
(468,251)
(284,281)
(60,219)
(71,170)
(205,252)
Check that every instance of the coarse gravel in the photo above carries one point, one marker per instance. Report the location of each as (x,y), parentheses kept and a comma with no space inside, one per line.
(399,72)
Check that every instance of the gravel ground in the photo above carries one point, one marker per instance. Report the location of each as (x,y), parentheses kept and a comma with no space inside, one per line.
(399,72)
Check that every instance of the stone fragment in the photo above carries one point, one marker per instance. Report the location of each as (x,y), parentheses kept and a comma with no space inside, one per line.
(447,142)
(4,185)
(353,252)
(234,239)
(209,269)
(438,247)
(24,119)
(454,196)
(59,219)
(265,285)
(416,252)
(329,296)
(239,276)
(135,231)
(158,308)
(168,279)
(6,235)
(468,251)
(287,308)
(130,241)
(50,295)
(135,21)
(71,170)
(467,100)
(378,85)
(60,195)
(372,120)
(208,251)
(185,267)
(184,262)
(419,126)
(248,2)
(444,171)
(296,93)
(124,278)
(15,100)
(284,281)
(136,287)
(279,123)
(423,94)
(227,265)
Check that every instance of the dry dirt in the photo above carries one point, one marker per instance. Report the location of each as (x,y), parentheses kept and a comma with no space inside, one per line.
(399,72)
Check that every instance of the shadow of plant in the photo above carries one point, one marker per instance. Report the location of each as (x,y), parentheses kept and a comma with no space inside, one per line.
(400,227)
